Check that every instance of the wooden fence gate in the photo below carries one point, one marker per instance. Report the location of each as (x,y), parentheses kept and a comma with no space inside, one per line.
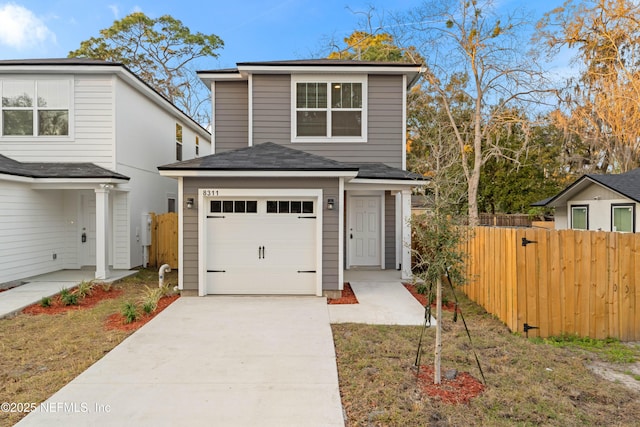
(164,240)
(560,281)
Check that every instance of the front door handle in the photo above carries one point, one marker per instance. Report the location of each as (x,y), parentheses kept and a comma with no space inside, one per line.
(259,252)
(263,252)
(351,235)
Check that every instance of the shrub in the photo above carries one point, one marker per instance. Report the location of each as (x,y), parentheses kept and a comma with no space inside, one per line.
(150,299)
(84,288)
(130,312)
(106,286)
(45,302)
(69,298)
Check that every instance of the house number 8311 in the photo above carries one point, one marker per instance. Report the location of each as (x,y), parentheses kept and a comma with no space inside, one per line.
(209,193)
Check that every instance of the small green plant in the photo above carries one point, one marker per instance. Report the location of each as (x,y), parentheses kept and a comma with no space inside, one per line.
(106,287)
(150,299)
(445,301)
(422,289)
(69,298)
(84,288)
(64,292)
(130,312)
(45,302)
(611,349)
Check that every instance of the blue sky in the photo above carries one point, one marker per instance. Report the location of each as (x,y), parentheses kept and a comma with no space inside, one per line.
(252,30)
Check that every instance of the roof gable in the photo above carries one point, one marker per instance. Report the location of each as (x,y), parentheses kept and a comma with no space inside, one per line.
(626,184)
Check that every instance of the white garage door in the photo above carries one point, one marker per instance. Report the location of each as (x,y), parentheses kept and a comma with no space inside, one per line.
(261,246)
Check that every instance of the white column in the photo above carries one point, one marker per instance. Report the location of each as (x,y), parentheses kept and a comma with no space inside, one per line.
(406,234)
(102,231)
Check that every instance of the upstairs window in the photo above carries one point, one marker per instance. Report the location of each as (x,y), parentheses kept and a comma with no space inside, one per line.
(329,109)
(35,107)
(178,142)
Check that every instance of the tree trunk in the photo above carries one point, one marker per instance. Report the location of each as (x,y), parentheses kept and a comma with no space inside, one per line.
(437,377)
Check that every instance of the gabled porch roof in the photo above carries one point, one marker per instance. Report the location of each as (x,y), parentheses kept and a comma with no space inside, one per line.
(57,170)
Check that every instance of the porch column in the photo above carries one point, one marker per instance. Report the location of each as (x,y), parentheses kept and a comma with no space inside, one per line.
(406,234)
(102,231)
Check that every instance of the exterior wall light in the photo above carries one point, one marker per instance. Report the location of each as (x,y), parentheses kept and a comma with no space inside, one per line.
(331,203)
(190,203)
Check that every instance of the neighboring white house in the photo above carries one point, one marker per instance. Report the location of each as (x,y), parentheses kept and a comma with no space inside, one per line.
(80,141)
(598,202)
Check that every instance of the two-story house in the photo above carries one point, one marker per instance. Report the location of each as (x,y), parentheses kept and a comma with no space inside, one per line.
(80,142)
(308,178)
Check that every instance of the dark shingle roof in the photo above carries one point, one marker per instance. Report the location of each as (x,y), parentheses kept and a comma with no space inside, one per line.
(55,170)
(627,184)
(382,171)
(275,157)
(262,157)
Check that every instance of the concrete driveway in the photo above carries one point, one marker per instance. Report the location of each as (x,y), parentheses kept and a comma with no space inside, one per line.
(213,361)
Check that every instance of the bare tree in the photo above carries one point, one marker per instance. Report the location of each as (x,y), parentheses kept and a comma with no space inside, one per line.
(476,57)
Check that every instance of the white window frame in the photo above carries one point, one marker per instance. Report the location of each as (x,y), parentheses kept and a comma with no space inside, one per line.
(632,208)
(328,79)
(35,79)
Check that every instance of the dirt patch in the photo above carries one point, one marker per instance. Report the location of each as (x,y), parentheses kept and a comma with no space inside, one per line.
(622,374)
(116,321)
(422,298)
(97,294)
(348,296)
(460,389)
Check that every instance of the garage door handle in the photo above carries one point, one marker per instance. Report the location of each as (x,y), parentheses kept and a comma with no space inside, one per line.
(216,271)
(306,271)
(260,252)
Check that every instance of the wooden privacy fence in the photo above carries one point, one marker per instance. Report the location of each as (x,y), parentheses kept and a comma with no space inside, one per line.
(560,281)
(164,240)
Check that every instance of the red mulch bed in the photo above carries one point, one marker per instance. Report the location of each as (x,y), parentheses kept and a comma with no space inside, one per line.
(348,297)
(459,390)
(116,320)
(422,298)
(97,294)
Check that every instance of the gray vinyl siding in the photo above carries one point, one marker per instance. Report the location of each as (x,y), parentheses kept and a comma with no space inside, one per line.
(272,120)
(272,109)
(389,230)
(231,126)
(330,240)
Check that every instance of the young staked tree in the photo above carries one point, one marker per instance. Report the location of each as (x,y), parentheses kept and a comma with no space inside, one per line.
(600,106)
(475,55)
(161,51)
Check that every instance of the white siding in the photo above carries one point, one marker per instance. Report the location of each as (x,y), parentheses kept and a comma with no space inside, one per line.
(144,142)
(32,227)
(121,227)
(91,128)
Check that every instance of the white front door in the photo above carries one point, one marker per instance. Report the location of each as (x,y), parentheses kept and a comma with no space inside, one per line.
(364,231)
(261,246)
(87,224)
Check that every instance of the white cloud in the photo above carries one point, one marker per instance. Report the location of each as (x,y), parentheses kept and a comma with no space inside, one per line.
(20,28)
(115,9)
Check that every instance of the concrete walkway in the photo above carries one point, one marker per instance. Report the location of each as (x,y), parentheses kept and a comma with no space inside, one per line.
(382,300)
(212,361)
(46,285)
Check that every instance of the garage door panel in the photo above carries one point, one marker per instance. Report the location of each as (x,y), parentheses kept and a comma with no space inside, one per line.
(261,253)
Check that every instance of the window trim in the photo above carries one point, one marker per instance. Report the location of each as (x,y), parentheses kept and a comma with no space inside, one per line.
(633,215)
(36,78)
(179,139)
(328,79)
(586,208)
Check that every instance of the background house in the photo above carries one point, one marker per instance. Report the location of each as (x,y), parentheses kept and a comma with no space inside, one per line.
(308,178)
(598,202)
(80,141)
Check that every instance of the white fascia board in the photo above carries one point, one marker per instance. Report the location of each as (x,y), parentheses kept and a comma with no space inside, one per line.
(15,178)
(74,184)
(208,78)
(331,69)
(258,174)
